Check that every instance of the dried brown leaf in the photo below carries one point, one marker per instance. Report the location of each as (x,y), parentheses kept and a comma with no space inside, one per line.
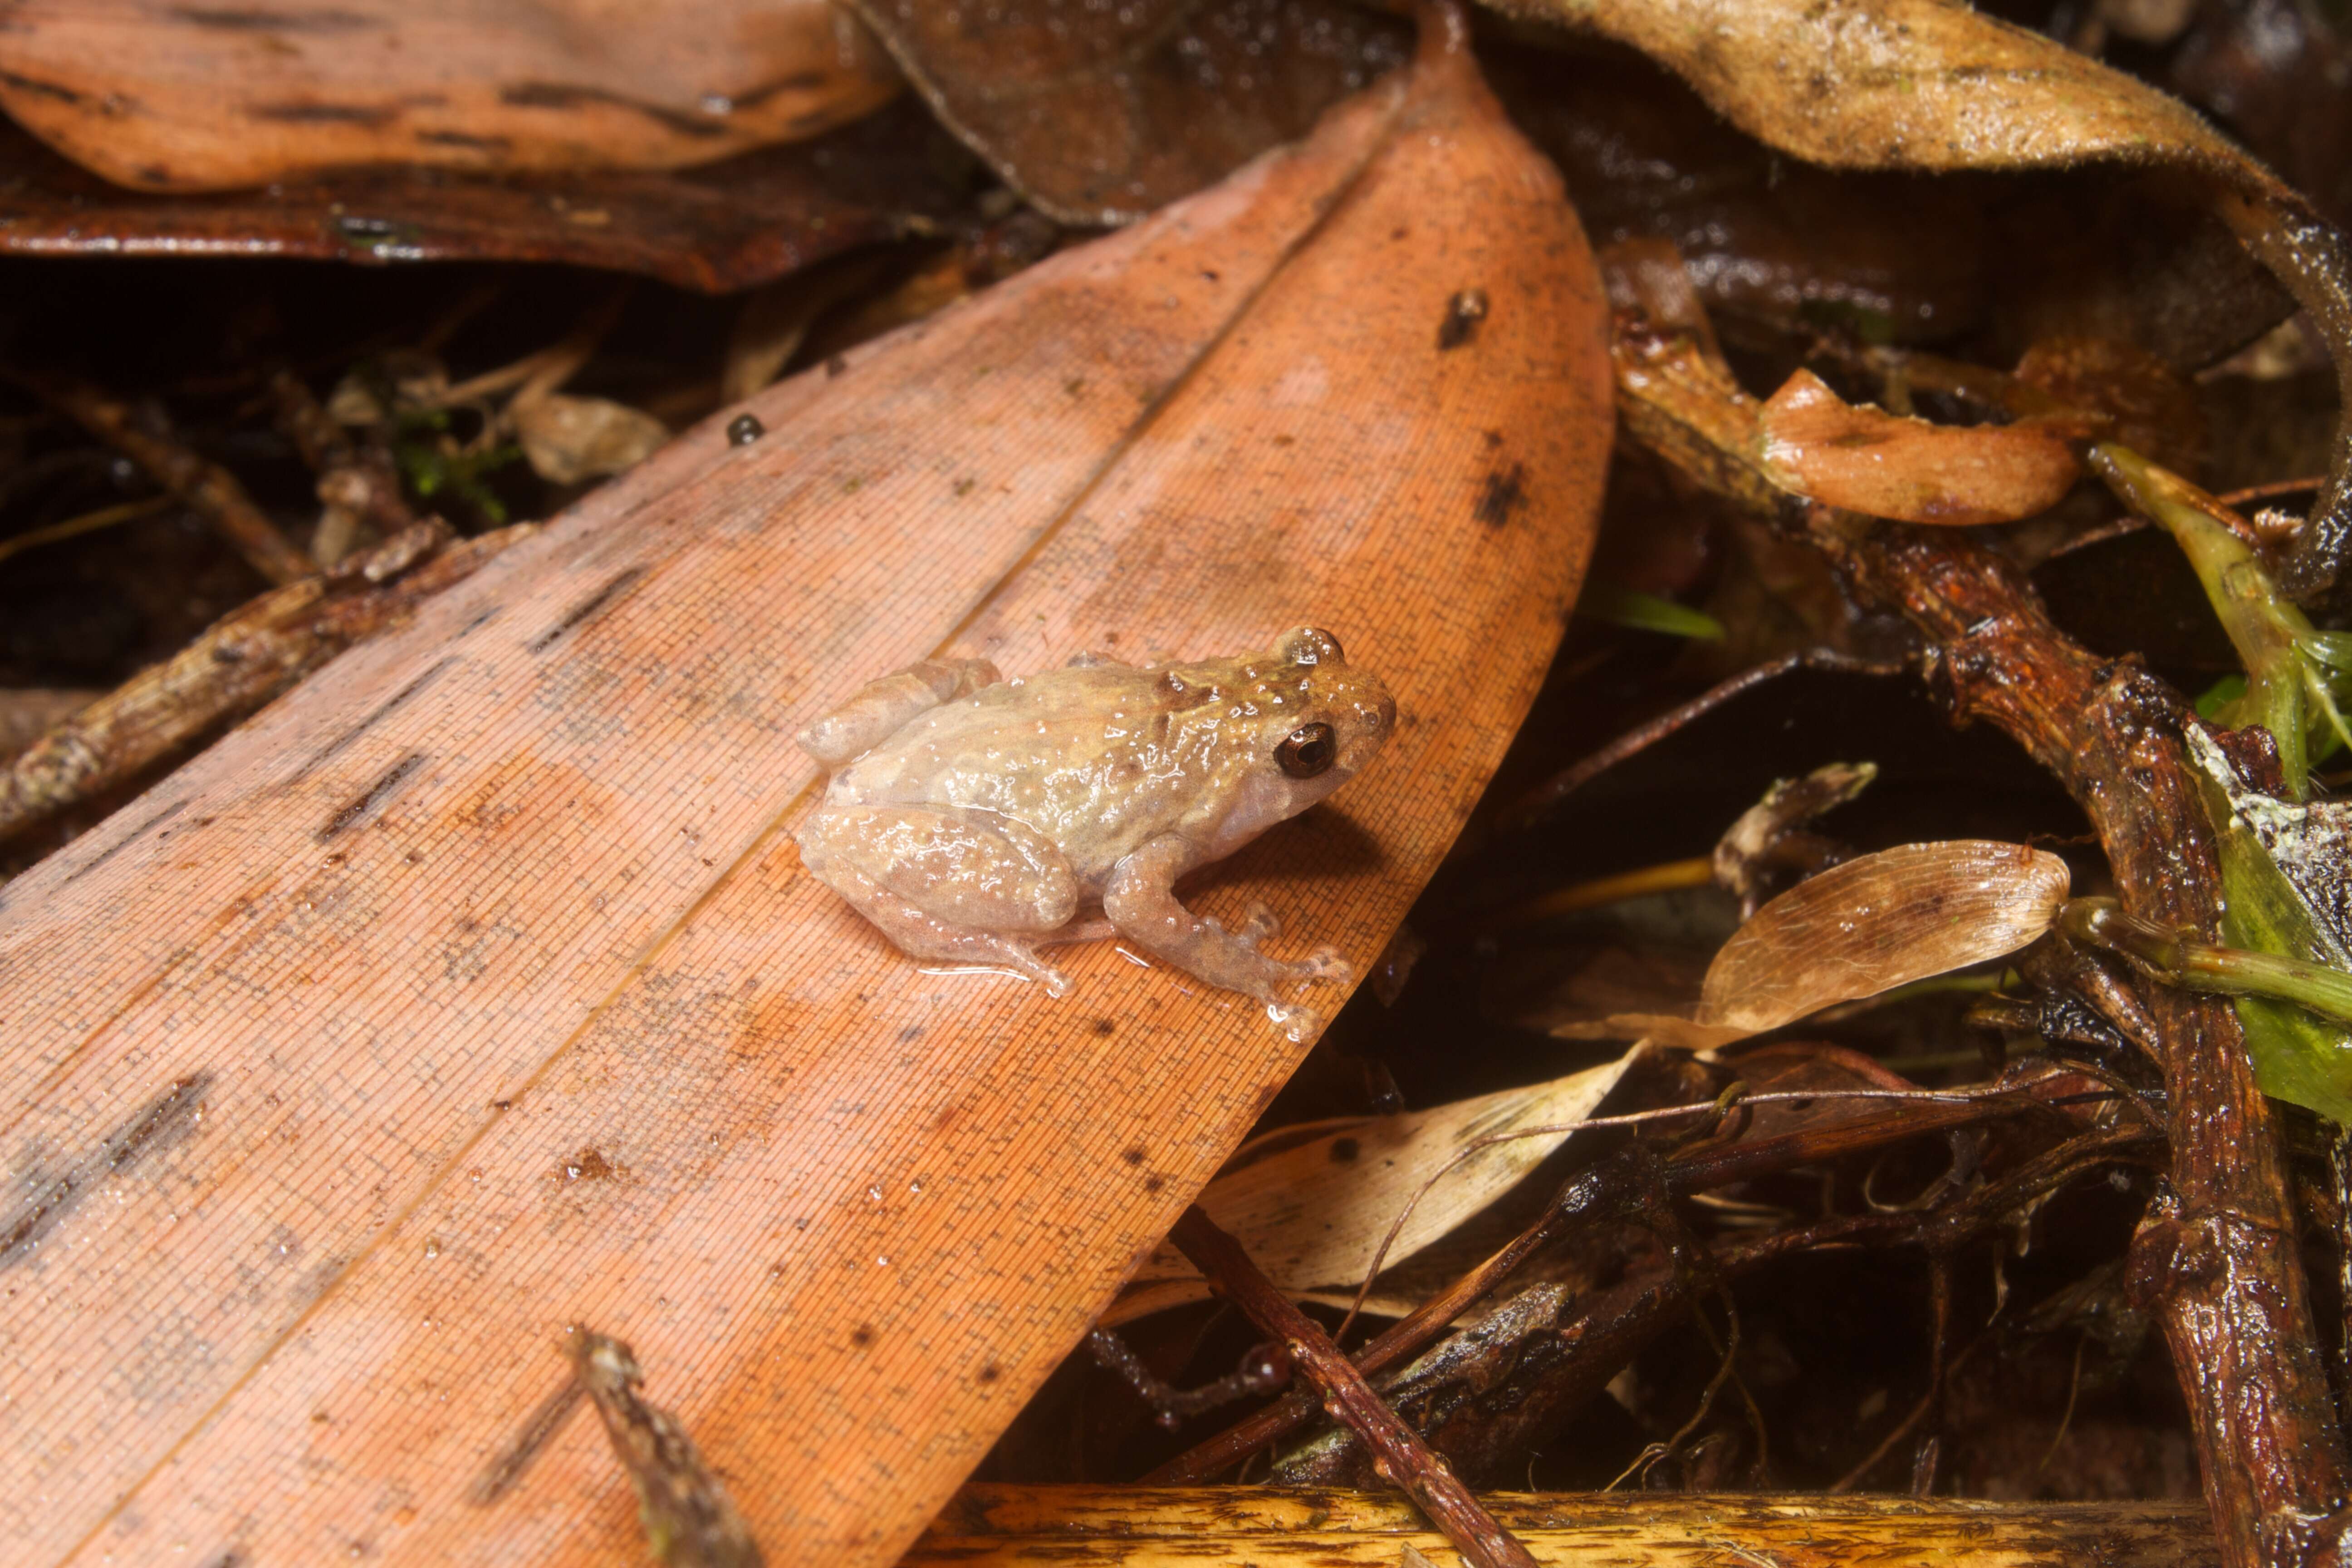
(1100,114)
(1885,464)
(719,227)
(569,439)
(1928,85)
(1908,84)
(1313,1214)
(1880,921)
(161,97)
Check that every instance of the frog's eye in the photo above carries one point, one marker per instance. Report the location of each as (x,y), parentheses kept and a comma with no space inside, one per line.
(1307,751)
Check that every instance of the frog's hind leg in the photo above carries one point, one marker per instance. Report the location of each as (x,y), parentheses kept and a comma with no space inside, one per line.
(882,708)
(1085,927)
(921,935)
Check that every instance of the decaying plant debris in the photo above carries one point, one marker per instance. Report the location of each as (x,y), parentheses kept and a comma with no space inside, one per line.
(1885,1026)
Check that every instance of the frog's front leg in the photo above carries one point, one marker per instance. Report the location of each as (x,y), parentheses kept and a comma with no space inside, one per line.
(960,885)
(882,708)
(1141,902)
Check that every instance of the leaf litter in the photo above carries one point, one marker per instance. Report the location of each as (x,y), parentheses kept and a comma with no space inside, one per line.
(1911,1057)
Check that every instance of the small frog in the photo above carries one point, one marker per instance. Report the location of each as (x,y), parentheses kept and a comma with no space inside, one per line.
(976,819)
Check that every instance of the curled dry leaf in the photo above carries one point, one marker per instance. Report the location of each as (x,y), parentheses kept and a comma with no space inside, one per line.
(487,956)
(1928,85)
(1769,841)
(182,98)
(1880,921)
(1764,238)
(1313,1214)
(1907,84)
(569,439)
(1100,113)
(2139,401)
(1885,464)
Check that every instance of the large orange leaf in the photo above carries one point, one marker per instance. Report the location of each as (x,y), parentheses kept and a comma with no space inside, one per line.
(475,987)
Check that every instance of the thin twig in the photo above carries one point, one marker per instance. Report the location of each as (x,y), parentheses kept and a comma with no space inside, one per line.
(1940,1276)
(1733,1098)
(1623,1187)
(1726,1355)
(689,1520)
(1536,802)
(87,522)
(212,490)
(1261,1371)
(1400,1453)
(1607,1331)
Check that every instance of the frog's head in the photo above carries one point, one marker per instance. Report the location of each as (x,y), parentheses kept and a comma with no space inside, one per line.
(1304,723)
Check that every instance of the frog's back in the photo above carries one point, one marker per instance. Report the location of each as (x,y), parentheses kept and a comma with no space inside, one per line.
(1081,754)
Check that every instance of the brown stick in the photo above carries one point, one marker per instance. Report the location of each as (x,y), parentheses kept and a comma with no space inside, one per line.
(1618,1188)
(689,1520)
(2218,1256)
(999,1526)
(235,665)
(1606,1332)
(211,489)
(1402,1456)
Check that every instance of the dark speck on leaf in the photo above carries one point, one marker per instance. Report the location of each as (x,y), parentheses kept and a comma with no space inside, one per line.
(1464,312)
(745,429)
(1344,1150)
(1137,1155)
(1505,491)
(589,1165)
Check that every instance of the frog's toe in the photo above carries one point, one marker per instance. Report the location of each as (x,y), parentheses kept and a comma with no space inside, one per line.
(1259,924)
(1328,964)
(1296,1022)
(1023,959)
